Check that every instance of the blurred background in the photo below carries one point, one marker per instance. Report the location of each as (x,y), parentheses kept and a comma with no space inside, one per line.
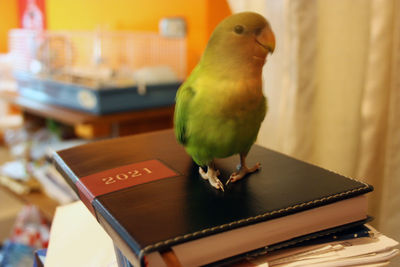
(76,71)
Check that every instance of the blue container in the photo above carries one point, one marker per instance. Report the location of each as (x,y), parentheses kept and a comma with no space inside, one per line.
(101,101)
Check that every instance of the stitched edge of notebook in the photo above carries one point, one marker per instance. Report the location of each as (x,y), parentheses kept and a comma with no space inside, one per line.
(254,218)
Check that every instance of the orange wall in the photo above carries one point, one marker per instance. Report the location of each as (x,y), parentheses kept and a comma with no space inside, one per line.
(216,11)
(8,20)
(201,16)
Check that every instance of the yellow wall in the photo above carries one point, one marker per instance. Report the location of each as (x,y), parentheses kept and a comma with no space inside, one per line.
(8,20)
(201,16)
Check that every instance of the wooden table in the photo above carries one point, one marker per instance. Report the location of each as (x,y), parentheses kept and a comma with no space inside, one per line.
(87,125)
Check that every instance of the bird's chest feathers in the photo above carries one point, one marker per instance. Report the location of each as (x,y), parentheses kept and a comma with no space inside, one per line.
(232,98)
(244,91)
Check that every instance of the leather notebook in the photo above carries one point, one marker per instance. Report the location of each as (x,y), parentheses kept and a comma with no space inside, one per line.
(147,194)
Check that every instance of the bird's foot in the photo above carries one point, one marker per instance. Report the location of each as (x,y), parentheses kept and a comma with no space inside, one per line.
(212,176)
(242,172)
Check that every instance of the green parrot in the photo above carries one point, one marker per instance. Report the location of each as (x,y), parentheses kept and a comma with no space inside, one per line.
(220,107)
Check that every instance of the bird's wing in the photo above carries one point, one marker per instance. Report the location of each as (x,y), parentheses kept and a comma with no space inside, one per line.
(183,99)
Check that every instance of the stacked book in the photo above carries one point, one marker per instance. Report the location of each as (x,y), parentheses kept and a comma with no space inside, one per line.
(146,193)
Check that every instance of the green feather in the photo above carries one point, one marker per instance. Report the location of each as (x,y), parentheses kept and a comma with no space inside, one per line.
(184,97)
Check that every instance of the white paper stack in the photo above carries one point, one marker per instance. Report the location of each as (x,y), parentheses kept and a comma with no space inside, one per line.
(375,250)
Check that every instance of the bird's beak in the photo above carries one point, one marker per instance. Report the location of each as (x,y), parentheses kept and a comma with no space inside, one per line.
(267,39)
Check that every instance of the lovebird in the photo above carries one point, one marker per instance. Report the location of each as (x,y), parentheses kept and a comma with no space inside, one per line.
(220,106)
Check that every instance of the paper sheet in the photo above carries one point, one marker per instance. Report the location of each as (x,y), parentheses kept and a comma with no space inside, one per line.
(76,239)
(367,251)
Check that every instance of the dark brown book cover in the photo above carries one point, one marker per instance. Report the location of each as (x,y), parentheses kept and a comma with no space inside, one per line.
(147,194)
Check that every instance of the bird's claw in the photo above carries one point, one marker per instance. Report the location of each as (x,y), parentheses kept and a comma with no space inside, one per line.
(218,184)
(242,172)
(211,176)
(203,174)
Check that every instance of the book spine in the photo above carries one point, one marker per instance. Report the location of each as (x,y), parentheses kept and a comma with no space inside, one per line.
(76,184)
(65,171)
(122,240)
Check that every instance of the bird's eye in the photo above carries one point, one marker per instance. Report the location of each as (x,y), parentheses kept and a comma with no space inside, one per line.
(239,29)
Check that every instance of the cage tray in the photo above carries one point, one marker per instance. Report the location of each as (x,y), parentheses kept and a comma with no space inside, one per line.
(96,101)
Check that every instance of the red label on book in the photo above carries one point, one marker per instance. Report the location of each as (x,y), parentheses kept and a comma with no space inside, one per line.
(112,180)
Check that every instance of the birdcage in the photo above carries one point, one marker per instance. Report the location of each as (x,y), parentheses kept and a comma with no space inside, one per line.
(98,71)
